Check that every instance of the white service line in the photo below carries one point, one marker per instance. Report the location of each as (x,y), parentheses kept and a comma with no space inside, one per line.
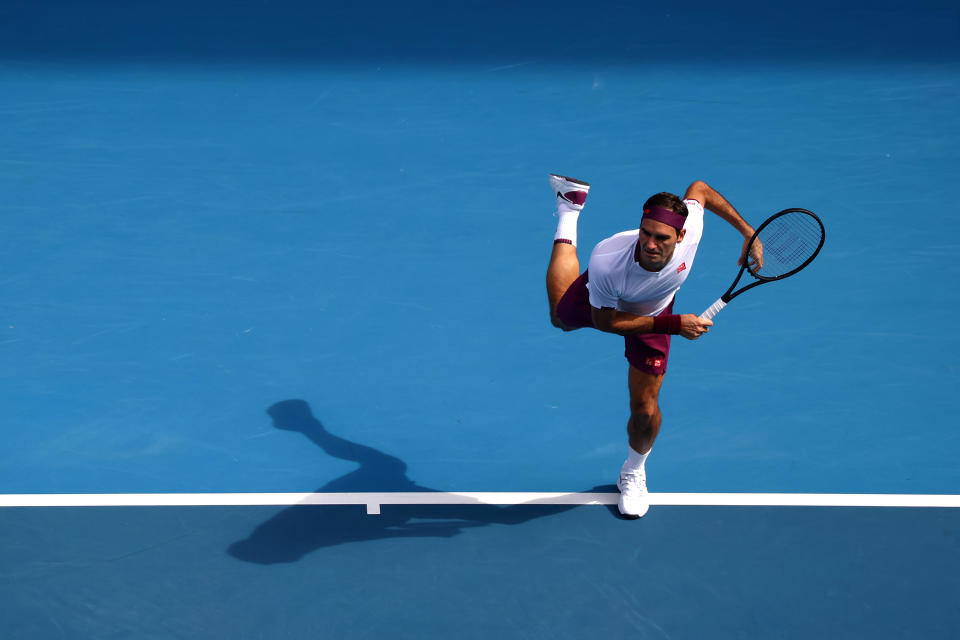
(373,501)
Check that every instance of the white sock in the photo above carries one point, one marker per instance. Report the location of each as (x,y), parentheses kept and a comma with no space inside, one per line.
(635,461)
(567,226)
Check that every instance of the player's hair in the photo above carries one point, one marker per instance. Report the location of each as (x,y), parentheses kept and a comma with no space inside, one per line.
(667,201)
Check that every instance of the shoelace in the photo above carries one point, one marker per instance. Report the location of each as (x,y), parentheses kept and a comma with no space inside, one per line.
(632,481)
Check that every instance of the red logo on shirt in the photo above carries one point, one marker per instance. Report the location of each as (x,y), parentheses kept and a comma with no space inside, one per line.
(654,362)
(683,265)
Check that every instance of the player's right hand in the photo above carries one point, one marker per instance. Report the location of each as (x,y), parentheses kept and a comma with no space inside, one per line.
(693,326)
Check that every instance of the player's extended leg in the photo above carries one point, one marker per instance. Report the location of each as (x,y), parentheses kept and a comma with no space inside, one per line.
(564,267)
(642,430)
(644,423)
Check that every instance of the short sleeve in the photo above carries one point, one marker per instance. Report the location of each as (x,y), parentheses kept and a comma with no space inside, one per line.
(603,291)
(694,223)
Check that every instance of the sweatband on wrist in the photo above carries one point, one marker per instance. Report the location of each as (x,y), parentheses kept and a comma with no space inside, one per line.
(667,324)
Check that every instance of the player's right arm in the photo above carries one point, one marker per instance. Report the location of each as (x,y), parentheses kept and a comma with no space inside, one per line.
(625,324)
(712,200)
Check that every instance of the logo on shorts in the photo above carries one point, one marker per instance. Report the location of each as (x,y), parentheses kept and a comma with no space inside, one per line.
(682,267)
(655,362)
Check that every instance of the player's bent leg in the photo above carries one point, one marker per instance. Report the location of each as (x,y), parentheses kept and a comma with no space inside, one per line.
(564,268)
(573,311)
(563,271)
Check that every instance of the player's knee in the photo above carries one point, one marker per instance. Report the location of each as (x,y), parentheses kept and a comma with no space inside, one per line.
(643,410)
(555,321)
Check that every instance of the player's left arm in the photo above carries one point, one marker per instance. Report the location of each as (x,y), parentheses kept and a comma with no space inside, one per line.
(711,200)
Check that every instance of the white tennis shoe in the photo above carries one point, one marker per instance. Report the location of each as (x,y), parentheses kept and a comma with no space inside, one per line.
(571,193)
(634,499)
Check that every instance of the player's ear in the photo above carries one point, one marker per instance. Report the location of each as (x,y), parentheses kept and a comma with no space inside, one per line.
(680,235)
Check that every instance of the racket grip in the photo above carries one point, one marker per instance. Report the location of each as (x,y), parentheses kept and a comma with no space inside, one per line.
(713,310)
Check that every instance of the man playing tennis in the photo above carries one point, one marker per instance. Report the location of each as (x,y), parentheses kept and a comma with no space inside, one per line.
(628,289)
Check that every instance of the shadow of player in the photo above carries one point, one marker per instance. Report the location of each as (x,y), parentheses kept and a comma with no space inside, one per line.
(299,530)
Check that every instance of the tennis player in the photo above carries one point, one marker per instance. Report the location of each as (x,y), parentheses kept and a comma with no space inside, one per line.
(628,288)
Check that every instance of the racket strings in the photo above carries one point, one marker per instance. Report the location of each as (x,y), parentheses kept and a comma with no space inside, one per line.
(788,242)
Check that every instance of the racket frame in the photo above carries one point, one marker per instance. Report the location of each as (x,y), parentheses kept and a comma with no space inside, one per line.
(731,294)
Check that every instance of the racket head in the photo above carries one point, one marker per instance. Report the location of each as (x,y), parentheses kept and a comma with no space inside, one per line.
(791,239)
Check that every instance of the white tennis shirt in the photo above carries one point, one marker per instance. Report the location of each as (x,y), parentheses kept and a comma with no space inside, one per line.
(617,281)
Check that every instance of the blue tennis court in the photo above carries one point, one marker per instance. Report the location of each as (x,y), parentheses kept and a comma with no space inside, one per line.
(295,249)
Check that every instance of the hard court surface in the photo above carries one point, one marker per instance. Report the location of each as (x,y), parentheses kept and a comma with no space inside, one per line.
(299,248)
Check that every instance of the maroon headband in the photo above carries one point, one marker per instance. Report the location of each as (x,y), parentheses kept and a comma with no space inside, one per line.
(666,216)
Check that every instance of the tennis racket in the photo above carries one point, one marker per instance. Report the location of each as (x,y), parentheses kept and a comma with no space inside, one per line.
(789,240)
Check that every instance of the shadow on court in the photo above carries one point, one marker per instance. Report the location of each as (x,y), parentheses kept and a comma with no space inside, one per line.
(300,530)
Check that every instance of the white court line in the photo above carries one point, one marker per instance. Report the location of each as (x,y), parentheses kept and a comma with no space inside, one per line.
(373,501)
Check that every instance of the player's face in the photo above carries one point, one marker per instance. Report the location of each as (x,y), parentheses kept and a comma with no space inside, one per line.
(656,244)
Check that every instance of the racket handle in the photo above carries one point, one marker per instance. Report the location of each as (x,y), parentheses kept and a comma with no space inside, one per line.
(713,310)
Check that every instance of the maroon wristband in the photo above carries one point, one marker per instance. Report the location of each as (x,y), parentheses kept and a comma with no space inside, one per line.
(666,324)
